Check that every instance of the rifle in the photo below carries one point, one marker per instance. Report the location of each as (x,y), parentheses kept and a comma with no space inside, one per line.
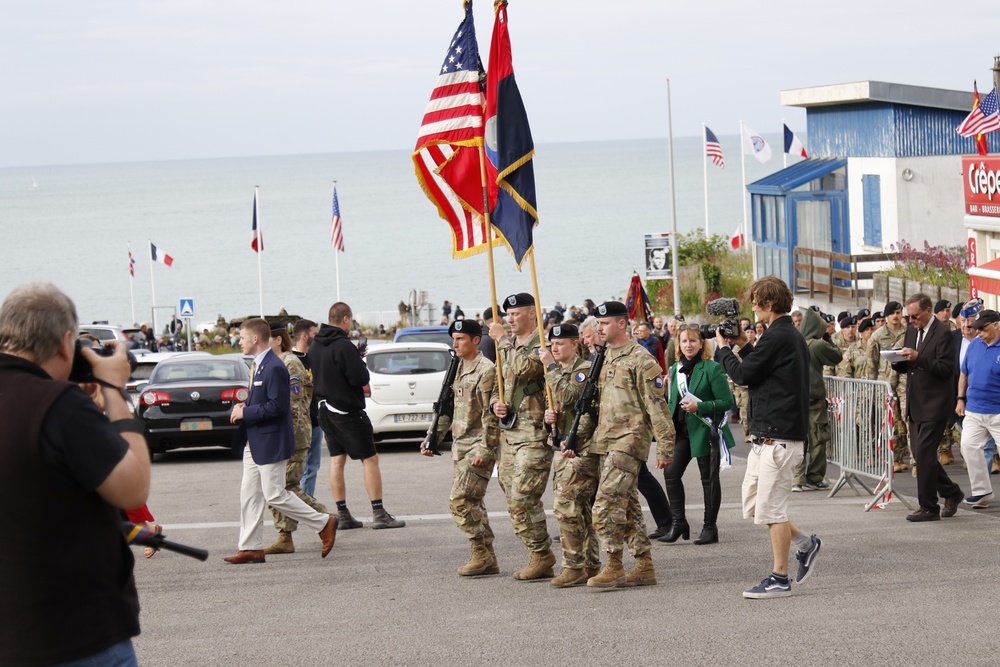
(585,404)
(144,537)
(445,402)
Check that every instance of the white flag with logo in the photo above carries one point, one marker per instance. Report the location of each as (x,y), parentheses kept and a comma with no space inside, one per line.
(754,144)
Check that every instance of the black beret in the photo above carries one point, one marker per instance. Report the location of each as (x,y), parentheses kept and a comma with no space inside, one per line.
(943,304)
(892,307)
(878,315)
(679,318)
(519,300)
(278,326)
(865,325)
(611,309)
(863,313)
(470,327)
(848,322)
(844,314)
(816,308)
(488,314)
(957,310)
(564,331)
(826,318)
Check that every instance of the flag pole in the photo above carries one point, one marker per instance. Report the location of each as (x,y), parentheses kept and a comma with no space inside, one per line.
(704,161)
(131,282)
(489,261)
(336,254)
(784,153)
(747,238)
(152,284)
(673,207)
(260,249)
(538,318)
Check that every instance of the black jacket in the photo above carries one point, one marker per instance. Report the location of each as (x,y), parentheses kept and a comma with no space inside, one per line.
(776,373)
(339,372)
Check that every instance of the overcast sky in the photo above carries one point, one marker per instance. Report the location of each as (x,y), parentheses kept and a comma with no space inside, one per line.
(102,81)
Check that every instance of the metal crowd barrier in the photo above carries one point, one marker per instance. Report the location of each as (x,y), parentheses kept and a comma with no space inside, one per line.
(862,436)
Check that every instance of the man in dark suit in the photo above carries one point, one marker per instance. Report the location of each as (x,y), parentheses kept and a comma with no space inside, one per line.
(929,353)
(268,441)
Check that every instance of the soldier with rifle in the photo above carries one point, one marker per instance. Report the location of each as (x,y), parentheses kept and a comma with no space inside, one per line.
(577,469)
(464,408)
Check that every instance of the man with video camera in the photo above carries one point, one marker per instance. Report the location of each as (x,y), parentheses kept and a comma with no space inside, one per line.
(776,373)
(62,459)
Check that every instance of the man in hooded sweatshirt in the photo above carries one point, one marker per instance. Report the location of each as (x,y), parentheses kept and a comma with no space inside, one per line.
(339,377)
(810,474)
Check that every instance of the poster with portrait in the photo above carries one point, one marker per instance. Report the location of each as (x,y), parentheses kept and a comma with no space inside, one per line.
(659,259)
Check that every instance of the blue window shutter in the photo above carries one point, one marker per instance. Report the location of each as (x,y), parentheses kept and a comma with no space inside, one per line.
(872,193)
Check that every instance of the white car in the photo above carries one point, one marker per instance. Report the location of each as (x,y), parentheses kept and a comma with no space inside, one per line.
(145,363)
(405,381)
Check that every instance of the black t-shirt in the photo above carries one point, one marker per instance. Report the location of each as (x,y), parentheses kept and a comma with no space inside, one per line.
(80,441)
(314,403)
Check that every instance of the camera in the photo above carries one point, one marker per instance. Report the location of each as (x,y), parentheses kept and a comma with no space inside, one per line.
(723,307)
(82,371)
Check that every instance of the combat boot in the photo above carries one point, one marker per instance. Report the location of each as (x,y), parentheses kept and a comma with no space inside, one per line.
(593,571)
(570,576)
(642,574)
(946,457)
(345,521)
(283,545)
(382,519)
(539,566)
(612,575)
(479,561)
(495,567)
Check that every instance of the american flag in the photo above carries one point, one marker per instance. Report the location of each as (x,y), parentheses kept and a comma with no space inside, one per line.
(713,149)
(446,157)
(257,238)
(337,233)
(131,263)
(984,119)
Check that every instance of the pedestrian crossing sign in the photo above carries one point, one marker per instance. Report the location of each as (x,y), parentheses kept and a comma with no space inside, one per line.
(187,308)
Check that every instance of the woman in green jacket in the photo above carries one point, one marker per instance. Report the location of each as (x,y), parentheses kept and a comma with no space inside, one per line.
(699,390)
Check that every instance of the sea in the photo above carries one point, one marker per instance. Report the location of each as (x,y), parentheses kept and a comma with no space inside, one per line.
(73,225)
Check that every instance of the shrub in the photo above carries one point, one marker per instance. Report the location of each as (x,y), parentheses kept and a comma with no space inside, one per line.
(945,266)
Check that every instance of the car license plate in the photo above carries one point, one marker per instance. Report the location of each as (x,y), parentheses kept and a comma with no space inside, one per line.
(196,425)
(415,417)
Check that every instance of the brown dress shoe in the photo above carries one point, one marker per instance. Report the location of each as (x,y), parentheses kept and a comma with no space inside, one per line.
(242,557)
(951,504)
(328,535)
(921,514)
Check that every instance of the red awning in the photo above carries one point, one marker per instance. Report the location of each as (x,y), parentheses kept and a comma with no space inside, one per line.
(986,277)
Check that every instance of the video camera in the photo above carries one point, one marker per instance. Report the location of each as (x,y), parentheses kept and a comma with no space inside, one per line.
(723,307)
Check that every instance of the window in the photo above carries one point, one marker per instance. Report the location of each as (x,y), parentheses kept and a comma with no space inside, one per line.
(872,194)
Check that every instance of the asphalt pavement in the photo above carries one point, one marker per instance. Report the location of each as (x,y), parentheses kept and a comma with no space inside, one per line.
(885,591)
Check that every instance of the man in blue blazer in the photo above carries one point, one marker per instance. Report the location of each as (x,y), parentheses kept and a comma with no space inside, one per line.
(268,440)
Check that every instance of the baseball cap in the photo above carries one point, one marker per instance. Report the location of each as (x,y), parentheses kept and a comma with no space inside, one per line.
(985,317)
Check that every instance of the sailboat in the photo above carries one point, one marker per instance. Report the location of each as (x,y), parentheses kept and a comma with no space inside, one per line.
(34,184)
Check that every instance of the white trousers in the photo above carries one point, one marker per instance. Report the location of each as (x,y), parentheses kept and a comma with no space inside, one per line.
(264,485)
(976,429)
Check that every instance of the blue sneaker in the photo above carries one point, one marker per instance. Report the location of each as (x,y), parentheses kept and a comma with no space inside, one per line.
(807,559)
(770,587)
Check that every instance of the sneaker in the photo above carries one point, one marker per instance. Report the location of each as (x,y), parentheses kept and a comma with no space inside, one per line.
(770,587)
(807,559)
(798,488)
(821,485)
(978,502)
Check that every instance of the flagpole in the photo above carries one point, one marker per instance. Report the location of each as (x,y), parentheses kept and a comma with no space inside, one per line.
(673,207)
(260,250)
(784,153)
(152,284)
(747,238)
(489,261)
(704,160)
(131,282)
(336,254)
(538,318)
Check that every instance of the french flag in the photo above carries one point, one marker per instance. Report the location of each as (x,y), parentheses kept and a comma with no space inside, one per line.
(160,256)
(792,144)
(257,240)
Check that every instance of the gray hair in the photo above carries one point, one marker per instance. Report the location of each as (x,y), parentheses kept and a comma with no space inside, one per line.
(590,323)
(34,319)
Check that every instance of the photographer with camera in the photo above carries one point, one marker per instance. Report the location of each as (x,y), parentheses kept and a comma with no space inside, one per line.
(60,457)
(776,373)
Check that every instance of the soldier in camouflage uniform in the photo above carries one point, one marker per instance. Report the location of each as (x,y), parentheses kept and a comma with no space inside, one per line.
(843,339)
(300,386)
(633,408)
(525,457)
(857,356)
(575,472)
(887,337)
(475,445)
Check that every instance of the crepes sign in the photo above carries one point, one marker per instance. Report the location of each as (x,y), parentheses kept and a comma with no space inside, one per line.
(981,178)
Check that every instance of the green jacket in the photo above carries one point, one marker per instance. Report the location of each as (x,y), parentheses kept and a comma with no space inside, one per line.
(710,384)
(822,352)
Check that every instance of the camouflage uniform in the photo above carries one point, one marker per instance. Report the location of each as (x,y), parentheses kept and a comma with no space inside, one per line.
(525,456)
(633,408)
(474,434)
(879,369)
(302,389)
(575,479)
(857,359)
(842,344)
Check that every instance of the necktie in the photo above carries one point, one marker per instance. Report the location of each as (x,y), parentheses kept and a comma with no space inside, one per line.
(253,369)
(920,338)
